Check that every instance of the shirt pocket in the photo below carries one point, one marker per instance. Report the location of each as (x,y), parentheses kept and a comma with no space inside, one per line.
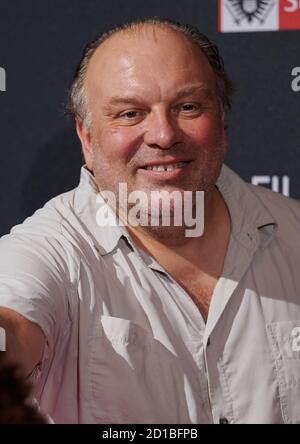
(284,338)
(134,378)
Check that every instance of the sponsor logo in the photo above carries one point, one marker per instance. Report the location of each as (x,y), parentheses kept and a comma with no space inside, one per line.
(277,184)
(289,14)
(258,15)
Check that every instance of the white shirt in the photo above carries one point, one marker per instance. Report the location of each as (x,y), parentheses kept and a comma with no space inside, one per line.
(126,343)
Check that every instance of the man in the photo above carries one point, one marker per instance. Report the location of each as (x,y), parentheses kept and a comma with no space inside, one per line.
(140,323)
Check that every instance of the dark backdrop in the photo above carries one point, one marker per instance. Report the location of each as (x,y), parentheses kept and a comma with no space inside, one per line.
(40,44)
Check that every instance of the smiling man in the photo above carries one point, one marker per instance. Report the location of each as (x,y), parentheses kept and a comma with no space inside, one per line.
(140,323)
(157,124)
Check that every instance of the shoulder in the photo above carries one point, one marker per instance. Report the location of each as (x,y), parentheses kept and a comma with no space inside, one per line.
(40,243)
(48,220)
(262,207)
(281,207)
(285,212)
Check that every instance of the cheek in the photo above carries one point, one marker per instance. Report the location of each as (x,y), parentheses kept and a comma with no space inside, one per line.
(120,143)
(206,131)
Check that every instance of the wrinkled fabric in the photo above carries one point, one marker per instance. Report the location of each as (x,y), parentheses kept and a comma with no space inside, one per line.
(126,344)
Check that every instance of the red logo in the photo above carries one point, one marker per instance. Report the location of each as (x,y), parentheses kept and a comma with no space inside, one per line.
(289,14)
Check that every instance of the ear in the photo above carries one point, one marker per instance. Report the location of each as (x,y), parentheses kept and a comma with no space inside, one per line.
(85,139)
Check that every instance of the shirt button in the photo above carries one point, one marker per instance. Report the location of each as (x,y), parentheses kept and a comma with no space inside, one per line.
(223,421)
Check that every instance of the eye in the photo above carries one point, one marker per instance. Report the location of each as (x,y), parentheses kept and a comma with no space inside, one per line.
(189,110)
(189,107)
(131,114)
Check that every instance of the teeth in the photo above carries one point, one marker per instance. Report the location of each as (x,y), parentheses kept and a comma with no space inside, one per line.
(166,167)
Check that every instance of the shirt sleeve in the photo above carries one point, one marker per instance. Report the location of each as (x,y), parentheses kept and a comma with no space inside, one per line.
(33,281)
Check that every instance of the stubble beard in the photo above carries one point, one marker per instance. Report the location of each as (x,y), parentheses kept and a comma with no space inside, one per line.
(172,234)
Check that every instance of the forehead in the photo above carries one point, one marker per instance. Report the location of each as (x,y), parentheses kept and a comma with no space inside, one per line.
(152,56)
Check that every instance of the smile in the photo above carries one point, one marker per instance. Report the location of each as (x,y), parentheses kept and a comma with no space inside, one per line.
(170,167)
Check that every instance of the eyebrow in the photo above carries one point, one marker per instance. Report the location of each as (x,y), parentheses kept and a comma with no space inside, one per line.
(187,91)
(207,92)
(115,101)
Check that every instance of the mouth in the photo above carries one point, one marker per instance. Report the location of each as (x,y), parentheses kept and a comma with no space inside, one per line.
(166,167)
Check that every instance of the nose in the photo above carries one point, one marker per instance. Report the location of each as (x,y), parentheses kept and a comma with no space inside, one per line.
(162,131)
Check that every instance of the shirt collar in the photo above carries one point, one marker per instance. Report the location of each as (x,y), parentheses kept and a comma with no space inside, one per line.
(88,206)
(248,213)
(252,222)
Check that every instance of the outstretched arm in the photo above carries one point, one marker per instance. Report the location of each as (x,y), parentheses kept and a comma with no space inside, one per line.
(25,340)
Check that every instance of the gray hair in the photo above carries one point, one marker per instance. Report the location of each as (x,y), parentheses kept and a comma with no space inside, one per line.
(77,105)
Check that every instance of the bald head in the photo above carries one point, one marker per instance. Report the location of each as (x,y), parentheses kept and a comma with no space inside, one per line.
(118,41)
(146,59)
